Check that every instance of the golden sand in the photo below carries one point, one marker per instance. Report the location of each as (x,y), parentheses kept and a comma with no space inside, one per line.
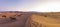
(42,21)
(38,20)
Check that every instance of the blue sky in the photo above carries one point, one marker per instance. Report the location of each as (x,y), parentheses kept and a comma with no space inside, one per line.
(10,5)
(30,5)
(8,2)
(14,2)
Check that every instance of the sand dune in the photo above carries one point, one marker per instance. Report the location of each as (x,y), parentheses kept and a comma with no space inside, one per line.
(45,20)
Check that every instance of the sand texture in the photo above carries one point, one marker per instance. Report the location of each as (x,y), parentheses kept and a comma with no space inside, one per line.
(29,19)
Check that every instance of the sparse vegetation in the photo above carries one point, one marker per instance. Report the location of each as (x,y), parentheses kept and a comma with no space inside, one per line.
(34,20)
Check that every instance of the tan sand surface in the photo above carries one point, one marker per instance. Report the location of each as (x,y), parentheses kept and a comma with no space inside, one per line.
(45,20)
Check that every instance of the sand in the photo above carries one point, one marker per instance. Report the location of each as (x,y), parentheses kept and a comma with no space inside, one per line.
(29,19)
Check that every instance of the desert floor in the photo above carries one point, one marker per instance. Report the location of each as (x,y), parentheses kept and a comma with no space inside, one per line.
(29,19)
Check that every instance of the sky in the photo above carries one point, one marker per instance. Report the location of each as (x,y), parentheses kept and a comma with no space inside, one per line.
(30,5)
